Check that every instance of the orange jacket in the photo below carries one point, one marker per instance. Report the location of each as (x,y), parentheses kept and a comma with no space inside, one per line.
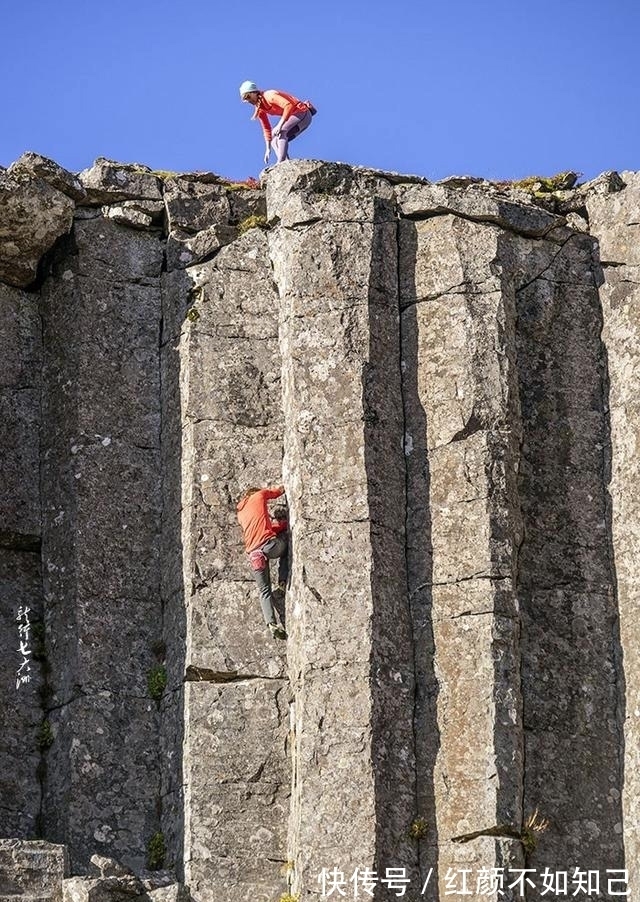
(253,516)
(275,103)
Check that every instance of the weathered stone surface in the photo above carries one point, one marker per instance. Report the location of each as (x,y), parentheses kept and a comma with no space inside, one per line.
(21,356)
(193,206)
(107,181)
(229,437)
(614,222)
(31,870)
(103,776)
(138,214)
(203,217)
(174,893)
(308,191)
(101,501)
(462,642)
(34,216)
(463,530)
(570,644)
(104,889)
(20,685)
(37,166)
(233,417)
(473,203)
(350,652)
(186,249)
(101,866)
(237,789)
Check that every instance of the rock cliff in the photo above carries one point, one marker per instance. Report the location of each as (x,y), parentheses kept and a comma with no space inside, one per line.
(445,378)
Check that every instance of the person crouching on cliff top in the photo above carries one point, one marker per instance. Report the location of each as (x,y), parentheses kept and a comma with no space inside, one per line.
(265,538)
(295,115)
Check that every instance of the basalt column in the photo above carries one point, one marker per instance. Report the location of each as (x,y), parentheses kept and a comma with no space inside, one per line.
(463,529)
(21,627)
(334,253)
(101,530)
(223,433)
(614,217)
(570,644)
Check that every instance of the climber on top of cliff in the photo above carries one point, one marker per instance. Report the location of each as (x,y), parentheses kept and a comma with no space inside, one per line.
(295,116)
(265,538)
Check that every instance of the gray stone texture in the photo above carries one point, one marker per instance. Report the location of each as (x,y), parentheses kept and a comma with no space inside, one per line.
(565,578)
(21,356)
(21,684)
(31,871)
(350,652)
(463,530)
(452,372)
(34,216)
(614,219)
(101,539)
(35,165)
(204,216)
(221,370)
(21,612)
(108,181)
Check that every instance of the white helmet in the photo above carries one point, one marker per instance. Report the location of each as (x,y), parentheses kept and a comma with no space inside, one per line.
(247,87)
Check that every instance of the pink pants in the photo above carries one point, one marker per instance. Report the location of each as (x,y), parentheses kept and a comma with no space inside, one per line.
(290,130)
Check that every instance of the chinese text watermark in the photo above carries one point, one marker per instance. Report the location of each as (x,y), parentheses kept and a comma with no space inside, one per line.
(479,882)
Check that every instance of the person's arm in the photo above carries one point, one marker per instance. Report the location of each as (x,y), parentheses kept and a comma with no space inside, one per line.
(279,526)
(266,131)
(273,492)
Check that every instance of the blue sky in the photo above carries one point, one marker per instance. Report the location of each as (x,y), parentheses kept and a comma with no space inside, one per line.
(494,88)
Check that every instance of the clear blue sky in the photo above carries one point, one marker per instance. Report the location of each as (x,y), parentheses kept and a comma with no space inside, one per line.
(495,88)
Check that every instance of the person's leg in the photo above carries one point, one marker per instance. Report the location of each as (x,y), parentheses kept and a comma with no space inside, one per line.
(263,579)
(290,130)
(279,548)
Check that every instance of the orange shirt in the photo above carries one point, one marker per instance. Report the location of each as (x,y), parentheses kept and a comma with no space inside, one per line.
(253,516)
(275,103)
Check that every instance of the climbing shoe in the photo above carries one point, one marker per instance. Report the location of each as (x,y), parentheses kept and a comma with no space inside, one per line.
(277,631)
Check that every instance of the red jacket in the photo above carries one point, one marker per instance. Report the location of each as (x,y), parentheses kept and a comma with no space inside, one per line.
(277,103)
(253,516)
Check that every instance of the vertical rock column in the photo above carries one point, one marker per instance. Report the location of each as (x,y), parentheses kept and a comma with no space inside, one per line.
(20,581)
(570,645)
(350,650)
(222,379)
(463,526)
(614,220)
(101,530)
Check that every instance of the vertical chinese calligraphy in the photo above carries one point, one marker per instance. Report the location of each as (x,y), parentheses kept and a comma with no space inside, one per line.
(24,631)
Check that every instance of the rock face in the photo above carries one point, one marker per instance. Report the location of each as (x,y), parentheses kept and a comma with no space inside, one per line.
(444,377)
(32,870)
(34,215)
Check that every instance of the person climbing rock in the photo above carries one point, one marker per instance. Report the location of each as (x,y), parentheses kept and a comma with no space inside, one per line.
(265,538)
(295,116)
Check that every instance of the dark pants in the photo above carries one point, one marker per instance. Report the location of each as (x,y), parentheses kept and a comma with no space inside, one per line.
(274,548)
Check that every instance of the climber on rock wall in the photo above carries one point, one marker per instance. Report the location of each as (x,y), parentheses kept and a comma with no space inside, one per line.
(265,538)
(295,117)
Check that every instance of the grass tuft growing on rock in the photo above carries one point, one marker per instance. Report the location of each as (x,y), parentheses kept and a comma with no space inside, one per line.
(45,736)
(418,829)
(157,681)
(541,185)
(156,852)
(534,826)
(252,222)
